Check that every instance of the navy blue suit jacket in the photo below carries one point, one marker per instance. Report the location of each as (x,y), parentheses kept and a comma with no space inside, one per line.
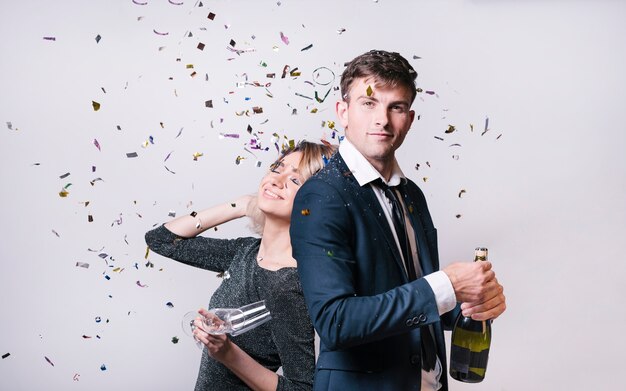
(366,312)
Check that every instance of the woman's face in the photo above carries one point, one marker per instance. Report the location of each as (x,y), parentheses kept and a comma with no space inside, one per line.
(279,187)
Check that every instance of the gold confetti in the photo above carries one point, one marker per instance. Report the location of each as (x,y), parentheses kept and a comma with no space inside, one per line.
(369,91)
(96,105)
(305,212)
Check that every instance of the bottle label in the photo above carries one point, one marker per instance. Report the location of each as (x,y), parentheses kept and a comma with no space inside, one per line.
(463,360)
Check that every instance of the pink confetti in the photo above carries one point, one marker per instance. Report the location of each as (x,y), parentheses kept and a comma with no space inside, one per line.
(160,33)
(139,284)
(97,144)
(284,38)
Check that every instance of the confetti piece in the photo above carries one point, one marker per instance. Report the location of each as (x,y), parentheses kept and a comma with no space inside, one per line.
(56,233)
(439,138)
(141,285)
(98,38)
(284,38)
(171,213)
(76,376)
(329,253)
(160,33)
(341,31)
(462,192)
(96,105)
(50,38)
(90,218)
(97,144)
(305,212)
(196,155)
(169,304)
(118,221)
(200,47)
(323,76)
(321,100)
(103,367)
(211,16)
(169,170)
(303,96)
(131,154)
(65,175)
(5,355)
(10,126)
(175,3)
(369,91)
(174,340)
(140,3)
(48,360)
(306,48)
(232,43)
(84,265)
(458,216)
(451,128)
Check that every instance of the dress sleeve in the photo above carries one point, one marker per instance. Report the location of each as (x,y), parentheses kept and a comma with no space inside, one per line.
(199,251)
(293,335)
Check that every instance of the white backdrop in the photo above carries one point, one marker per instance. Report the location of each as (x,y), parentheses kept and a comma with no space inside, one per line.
(544,186)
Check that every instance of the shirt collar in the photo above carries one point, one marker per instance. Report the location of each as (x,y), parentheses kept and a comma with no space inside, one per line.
(362,170)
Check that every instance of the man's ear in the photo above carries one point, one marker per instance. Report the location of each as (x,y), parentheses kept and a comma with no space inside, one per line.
(341,108)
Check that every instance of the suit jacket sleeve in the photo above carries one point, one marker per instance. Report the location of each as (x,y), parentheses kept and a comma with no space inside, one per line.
(353,288)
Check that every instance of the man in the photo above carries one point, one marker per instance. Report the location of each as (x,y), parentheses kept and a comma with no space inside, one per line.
(370,279)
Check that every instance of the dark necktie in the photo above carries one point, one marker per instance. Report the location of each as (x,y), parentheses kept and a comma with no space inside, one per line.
(397,213)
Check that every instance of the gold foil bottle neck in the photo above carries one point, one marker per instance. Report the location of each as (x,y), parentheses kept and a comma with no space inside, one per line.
(480,254)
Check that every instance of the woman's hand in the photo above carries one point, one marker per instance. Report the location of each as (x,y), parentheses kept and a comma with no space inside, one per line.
(218,345)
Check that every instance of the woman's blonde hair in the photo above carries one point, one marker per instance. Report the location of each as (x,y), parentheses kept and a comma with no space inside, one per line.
(314,158)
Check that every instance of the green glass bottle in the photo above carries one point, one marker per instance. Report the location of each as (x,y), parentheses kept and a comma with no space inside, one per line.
(471,339)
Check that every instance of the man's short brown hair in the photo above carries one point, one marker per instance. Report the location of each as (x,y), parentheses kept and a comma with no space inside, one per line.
(389,69)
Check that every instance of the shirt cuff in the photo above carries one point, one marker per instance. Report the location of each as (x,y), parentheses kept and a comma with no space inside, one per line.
(443,290)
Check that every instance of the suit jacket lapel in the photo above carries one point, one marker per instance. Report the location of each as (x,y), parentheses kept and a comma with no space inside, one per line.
(374,210)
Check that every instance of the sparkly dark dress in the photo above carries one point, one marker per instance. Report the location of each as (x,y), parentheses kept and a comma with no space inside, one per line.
(286,340)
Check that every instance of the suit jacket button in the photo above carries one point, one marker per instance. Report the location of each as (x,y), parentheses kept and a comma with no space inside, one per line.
(415,359)
(416,320)
(409,322)
(423,318)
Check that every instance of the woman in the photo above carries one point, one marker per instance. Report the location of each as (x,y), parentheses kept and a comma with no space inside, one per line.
(253,269)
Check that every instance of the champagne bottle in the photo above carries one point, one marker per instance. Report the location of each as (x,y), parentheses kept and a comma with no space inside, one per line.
(471,339)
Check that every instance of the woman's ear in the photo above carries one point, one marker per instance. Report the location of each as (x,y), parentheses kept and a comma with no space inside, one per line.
(341,108)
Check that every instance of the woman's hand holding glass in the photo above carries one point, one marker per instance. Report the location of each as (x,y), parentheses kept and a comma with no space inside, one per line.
(204,326)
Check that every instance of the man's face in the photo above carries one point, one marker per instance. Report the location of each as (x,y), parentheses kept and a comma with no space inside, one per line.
(376,120)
